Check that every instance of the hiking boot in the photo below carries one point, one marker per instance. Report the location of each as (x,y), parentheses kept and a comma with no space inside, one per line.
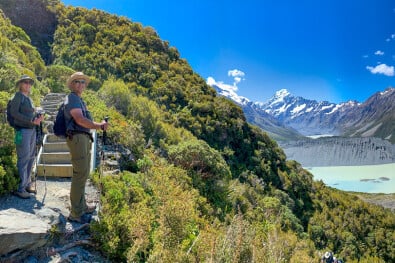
(23,195)
(84,219)
(89,209)
(31,189)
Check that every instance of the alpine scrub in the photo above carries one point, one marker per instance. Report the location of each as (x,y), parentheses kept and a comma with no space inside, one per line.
(198,183)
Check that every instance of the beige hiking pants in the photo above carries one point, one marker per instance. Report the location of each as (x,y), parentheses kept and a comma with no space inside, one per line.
(80,146)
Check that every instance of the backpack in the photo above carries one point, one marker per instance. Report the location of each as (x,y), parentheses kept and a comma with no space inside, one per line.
(10,118)
(59,127)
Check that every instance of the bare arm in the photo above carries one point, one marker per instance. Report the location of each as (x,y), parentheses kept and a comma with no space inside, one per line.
(81,120)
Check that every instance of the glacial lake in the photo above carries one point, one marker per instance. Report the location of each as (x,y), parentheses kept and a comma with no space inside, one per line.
(366,178)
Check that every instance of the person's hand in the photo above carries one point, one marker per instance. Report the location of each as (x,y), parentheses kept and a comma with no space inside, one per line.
(38,120)
(104,125)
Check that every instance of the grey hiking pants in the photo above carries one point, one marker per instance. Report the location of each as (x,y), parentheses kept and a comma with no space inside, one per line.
(25,152)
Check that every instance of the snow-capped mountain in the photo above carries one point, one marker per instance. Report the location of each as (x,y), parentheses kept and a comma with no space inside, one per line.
(309,117)
(257,116)
(374,117)
(283,105)
(287,113)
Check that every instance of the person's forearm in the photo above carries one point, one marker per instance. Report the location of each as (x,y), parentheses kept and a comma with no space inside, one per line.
(86,123)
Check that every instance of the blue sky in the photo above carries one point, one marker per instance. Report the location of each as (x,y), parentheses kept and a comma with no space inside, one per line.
(334,50)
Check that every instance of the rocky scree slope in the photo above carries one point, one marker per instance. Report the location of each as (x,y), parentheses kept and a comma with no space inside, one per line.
(340,151)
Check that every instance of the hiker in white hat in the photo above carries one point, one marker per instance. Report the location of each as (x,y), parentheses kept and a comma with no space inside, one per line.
(78,125)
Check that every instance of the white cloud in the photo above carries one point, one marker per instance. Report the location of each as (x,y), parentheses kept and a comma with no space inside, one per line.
(393,36)
(365,56)
(237,75)
(379,53)
(382,69)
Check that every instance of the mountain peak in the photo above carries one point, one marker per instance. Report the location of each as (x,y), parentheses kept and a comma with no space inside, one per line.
(279,97)
(387,91)
(282,93)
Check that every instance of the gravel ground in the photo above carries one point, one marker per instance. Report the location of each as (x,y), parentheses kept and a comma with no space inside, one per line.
(52,192)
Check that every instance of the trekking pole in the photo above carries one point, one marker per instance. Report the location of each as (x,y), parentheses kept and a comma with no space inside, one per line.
(101,173)
(36,160)
(42,151)
(103,147)
(39,140)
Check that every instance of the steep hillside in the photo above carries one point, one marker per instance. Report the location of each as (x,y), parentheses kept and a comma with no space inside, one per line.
(375,117)
(36,20)
(17,57)
(199,184)
(269,124)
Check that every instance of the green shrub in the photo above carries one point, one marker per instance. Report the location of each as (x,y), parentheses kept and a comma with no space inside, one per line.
(56,76)
(8,172)
(208,170)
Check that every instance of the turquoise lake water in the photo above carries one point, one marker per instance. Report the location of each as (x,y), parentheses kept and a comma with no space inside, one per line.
(366,178)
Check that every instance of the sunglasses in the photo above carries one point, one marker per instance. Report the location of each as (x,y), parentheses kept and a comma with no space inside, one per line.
(27,82)
(79,81)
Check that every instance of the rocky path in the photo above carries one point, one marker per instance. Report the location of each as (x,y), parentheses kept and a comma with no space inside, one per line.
(36,229)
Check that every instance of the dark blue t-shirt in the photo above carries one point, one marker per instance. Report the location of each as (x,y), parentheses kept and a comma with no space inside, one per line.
(73,101)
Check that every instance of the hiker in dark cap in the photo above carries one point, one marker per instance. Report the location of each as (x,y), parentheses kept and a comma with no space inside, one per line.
(25,121)
(78,124)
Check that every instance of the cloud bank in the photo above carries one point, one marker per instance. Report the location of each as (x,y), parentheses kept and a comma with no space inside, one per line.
(382,69)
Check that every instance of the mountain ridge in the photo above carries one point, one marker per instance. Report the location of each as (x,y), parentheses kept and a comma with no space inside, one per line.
(372,118)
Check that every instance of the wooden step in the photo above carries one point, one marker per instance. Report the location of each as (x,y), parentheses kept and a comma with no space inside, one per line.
(54,138)
(55,170)
(55,147)
(55,158)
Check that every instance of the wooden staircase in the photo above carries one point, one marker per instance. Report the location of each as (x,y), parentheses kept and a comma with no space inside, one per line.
(53,159)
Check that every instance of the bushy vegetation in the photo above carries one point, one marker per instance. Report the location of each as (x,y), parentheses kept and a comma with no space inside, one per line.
(200,184)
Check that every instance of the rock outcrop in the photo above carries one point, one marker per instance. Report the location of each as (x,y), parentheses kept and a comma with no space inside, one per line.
(21,231)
